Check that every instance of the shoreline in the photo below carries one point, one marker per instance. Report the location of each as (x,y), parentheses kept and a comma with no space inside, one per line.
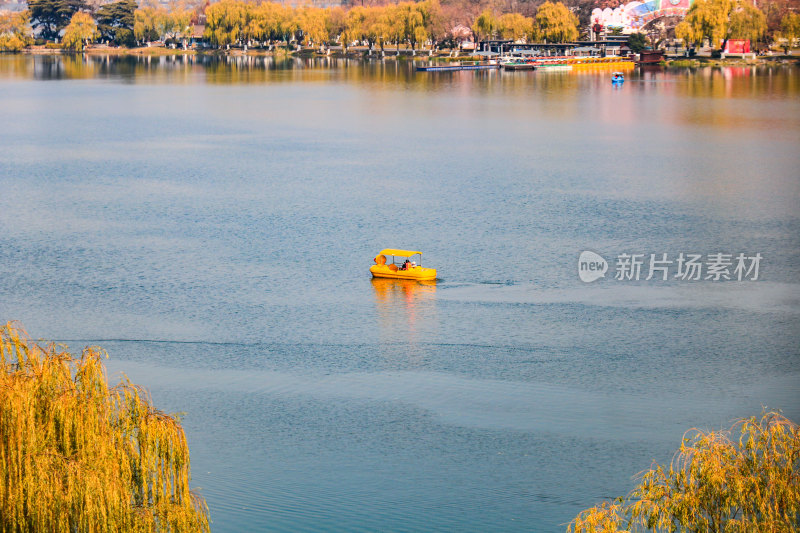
(401,55)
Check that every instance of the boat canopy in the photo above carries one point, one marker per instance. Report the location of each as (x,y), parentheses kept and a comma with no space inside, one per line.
(401,253)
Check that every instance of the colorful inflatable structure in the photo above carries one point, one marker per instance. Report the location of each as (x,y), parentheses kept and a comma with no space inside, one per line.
(632,17)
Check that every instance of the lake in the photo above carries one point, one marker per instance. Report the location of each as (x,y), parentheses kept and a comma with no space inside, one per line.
(211,223)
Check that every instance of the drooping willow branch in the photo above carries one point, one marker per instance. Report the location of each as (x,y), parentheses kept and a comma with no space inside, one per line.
(78,455)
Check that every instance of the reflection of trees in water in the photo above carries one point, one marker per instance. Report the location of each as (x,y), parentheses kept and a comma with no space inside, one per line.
(236,69)
(549,87)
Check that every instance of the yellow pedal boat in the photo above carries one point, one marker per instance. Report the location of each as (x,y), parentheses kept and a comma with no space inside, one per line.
(406,270)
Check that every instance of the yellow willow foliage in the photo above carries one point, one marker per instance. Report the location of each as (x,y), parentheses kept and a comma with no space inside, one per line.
(716,482)
(76,455)
(15,31)
(555,23)
(790,26)
(485,25)
(514,26)
(717,20)
(81,30)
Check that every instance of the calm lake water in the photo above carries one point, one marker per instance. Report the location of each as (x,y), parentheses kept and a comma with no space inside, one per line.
(211,224)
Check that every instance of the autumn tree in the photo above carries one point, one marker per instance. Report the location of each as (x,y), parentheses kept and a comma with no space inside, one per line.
(485,25)
(313,22)
(379,27)
(226,22)
(741,480)
(720,20)
(414,30)
(555,23)
(81,30)
(115,22)
(265,21)
(336,23)
(150,23)
(433,21)
(790,28)
(776,10)
(49,17)
(393,19)
(287,23)
(79,455)
(15,31)
(514,26)
(179,22)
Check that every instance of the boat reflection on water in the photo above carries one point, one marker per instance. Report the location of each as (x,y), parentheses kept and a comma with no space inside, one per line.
(406,308)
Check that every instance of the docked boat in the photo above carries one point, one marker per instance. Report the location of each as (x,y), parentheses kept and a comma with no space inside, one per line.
(407,269)
(519,65)
(617,77)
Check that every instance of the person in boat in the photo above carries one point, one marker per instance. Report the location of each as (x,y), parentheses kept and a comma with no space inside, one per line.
(405,265)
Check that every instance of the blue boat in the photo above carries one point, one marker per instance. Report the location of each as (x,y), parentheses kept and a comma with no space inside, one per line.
(617,77)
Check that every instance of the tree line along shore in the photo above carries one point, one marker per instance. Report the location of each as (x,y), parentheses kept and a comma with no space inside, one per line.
(429,25)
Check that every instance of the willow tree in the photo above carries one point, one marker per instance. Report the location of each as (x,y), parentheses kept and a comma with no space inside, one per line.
(514,26)
(355,26)
(379,27)
(720,20)
(76,455)
(414,30)
(226,22)
(313,22)
(741,480)
(150,23)
(433,20)
(15,31)
(394,23)
(555,23)
(81,30)
(790,27)
(336,23)
(485,25)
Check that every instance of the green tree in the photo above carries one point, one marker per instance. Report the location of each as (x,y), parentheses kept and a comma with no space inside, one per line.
(637,42)
(15,31)
(717,482)
(115,22)
(81,30)
(49,17)
(555,23)
(485,25)
(720,20)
